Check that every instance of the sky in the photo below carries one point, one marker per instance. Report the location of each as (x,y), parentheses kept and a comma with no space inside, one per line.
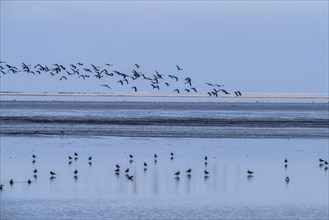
(251,46)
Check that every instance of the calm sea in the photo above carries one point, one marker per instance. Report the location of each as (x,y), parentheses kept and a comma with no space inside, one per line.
(166,119)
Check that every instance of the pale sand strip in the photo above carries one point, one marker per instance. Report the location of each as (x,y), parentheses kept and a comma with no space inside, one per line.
(251,95)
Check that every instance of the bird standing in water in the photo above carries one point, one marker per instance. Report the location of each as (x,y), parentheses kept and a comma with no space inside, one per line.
(250,172)
(287,179)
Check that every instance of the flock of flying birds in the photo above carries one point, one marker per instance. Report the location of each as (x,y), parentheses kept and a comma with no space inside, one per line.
(117,169)
(177,83)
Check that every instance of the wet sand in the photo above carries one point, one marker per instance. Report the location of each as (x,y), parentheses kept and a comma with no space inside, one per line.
(155,193)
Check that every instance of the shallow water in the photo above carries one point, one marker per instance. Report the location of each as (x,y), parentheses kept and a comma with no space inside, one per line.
(236,137)
(155,193)
(166,119)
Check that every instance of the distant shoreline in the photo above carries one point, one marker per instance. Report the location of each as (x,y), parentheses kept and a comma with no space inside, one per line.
(250,95)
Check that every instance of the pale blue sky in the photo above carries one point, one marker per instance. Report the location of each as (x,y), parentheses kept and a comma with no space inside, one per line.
(251,46)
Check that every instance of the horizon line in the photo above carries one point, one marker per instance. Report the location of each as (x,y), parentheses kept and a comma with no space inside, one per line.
(247,95)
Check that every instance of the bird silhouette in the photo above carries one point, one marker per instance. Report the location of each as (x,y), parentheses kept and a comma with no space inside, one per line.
(135,88)
(287,179)
(82,76)
(224,91)
(250,172)
(155,86)
(105,85)
(237,93)
(178,68)
(194,89)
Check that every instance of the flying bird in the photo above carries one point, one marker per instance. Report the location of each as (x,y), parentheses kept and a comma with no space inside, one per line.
(178,68)
(105,85)
(194,89)
(224,91)
(237,93)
